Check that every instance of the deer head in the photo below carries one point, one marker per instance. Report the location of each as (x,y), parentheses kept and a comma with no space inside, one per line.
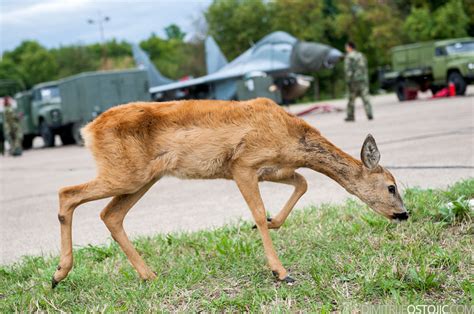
(377,187)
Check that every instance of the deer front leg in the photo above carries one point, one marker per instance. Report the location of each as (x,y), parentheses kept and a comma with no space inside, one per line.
(299,182)
(113,216)
(247,181)
(69,199)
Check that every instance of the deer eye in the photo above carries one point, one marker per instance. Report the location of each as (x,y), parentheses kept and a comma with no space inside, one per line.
(392,189)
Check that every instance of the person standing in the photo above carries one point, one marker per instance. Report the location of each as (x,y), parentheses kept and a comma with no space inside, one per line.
(2,139)
(12,128)
(357,79)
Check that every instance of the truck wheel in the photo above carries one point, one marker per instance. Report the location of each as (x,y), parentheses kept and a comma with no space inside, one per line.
(400,90)
(66,136)
(458,81)
(47,134)
(27,142)
(76,133)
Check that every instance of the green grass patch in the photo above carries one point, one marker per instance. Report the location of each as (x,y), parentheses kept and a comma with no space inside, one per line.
(340,255)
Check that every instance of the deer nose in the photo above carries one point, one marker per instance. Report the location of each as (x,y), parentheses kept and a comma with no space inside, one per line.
(400,216)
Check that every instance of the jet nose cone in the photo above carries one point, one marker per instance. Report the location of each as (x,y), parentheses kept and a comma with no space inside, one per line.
(333,57)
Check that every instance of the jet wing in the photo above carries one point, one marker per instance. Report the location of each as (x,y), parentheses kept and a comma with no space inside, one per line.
(179,85)
(278,52)
(266,66)
(269,55)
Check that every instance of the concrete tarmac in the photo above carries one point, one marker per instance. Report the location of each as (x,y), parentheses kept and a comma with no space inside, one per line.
(426,143)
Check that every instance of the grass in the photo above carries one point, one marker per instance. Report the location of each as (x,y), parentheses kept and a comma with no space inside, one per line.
(341,256)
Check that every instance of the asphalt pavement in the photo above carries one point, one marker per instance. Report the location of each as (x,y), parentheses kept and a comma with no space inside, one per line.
(425,143)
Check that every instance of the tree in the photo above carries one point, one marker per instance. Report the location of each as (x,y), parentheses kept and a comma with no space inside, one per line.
(174,32)
(114,48)
(419,25)
(175,58)
(447,21)
(11,79)
(469,9)
(384,25)
(301,18)
(450,20)
(38,66)
(373,26)
(75,59)
(112,53)
(34,62)
(236,24)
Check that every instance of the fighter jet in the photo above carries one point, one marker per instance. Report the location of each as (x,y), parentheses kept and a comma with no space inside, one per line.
(279,55)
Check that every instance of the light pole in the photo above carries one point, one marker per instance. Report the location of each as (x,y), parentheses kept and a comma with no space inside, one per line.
(100,22)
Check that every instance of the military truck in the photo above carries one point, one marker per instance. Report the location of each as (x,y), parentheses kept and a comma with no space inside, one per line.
(431,65)
(63,107)
(40,108)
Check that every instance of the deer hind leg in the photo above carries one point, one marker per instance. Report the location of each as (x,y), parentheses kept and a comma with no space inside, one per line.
(299,182)
(69,199)
(247,181)
(113,216)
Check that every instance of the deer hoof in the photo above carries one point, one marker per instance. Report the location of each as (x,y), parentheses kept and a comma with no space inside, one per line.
(150,276)
(269,219)
(290,281)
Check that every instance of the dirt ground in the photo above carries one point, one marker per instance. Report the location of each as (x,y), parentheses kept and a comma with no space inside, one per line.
(426,143)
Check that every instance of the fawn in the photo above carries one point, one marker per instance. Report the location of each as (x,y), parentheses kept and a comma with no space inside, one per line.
(136,144)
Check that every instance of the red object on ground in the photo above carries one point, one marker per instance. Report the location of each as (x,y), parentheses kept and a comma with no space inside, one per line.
(449,91)
(452,89)
(321,108)
(411,93)
(442,93)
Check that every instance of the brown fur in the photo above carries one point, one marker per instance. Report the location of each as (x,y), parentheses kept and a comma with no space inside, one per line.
(193,139)
(134,145)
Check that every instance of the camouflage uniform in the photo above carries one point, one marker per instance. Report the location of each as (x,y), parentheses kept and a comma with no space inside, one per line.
(2,140)
(13,132)
(355,66)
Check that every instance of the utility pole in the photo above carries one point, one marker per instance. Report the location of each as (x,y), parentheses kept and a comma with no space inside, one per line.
(100,21)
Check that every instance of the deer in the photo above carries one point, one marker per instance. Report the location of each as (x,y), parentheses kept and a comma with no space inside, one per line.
(136,144)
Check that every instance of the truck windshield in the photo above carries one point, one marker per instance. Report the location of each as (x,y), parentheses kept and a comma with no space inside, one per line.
(461,47)
(49,92)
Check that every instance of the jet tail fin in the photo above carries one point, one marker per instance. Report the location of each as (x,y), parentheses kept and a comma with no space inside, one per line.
(142,60)
(215,59)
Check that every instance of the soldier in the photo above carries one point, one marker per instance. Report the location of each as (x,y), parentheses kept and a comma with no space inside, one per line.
(2,141)
(12,128)
(355,66)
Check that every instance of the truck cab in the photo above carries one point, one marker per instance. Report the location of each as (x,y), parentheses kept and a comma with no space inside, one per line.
(46,112)
(454,62)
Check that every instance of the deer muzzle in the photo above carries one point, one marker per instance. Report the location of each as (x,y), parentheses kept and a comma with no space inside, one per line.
(400,216)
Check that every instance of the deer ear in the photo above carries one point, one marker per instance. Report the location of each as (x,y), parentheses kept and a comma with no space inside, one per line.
(370,154)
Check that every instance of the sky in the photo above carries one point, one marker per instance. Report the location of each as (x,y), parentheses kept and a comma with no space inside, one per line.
(62,22)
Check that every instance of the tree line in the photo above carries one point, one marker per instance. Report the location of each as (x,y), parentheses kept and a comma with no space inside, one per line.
(373,25)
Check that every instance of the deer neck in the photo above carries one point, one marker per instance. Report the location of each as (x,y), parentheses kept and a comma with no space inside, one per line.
(324,157)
